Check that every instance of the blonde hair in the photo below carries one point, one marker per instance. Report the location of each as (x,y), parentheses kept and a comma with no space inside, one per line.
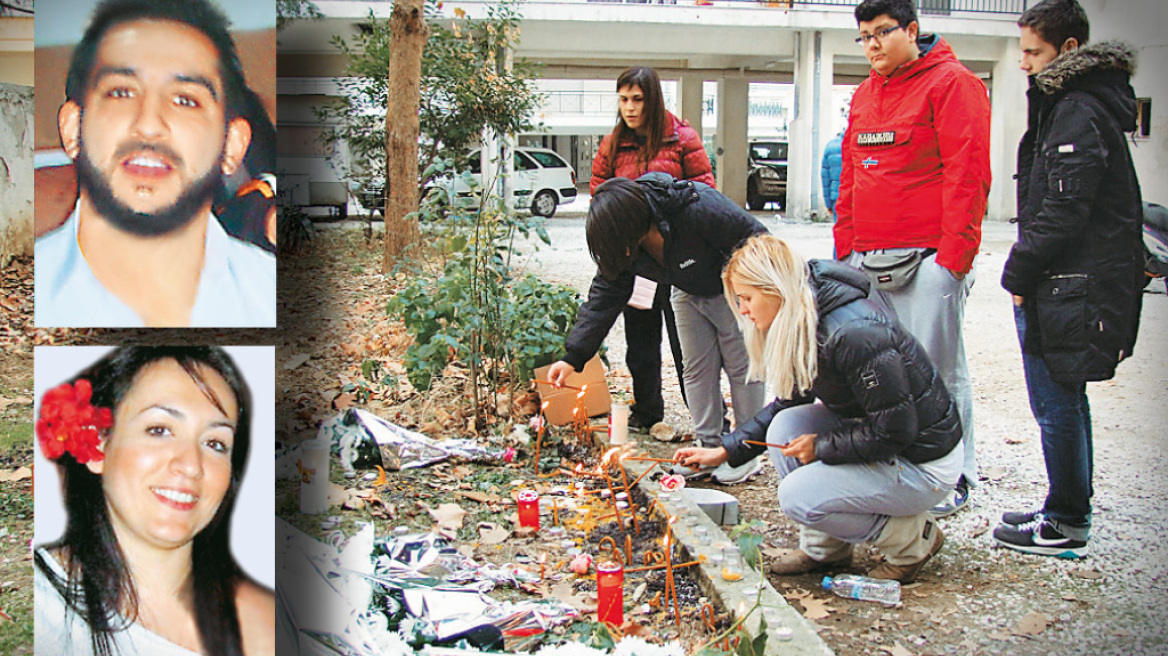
(786,354)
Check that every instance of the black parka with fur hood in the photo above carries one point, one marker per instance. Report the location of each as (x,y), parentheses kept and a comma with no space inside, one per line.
(1078,262)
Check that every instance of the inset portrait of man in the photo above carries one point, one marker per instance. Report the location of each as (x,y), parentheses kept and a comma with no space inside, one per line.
(157,117)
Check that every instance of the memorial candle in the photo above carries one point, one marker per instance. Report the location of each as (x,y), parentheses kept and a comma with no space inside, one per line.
(610,601)
(529,509)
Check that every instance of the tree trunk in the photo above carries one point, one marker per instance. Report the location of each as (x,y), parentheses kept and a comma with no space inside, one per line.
(408,32)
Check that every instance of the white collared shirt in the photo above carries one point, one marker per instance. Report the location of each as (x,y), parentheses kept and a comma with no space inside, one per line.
(237,286)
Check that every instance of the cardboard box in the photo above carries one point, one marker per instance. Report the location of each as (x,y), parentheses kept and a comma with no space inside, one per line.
(561,400)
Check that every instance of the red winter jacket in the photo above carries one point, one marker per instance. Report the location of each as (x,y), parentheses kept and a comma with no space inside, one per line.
(681,156)
(916,160)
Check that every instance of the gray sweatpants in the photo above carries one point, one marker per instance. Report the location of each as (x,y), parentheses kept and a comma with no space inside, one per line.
(710,344)
(840,505)
(932,309)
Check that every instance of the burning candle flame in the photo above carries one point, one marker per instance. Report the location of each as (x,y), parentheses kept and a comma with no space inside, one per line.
(608,455)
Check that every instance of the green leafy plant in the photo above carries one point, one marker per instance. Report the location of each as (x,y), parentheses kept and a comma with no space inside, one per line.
(478,309)
(748,535)
(372,381)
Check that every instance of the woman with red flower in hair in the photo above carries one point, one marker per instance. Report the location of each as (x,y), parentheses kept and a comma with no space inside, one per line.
(150,444)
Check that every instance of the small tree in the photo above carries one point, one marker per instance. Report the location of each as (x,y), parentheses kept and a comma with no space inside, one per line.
(409,32)
(464,88)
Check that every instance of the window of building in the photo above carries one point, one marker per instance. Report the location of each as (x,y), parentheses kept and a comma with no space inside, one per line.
(1143,118)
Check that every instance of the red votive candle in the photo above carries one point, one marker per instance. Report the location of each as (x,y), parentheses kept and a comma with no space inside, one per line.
(610,597)
(529,509)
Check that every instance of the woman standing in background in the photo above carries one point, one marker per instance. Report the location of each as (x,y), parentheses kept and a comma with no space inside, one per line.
(648,137)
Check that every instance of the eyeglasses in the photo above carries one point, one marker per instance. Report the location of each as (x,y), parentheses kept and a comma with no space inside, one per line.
(880,35)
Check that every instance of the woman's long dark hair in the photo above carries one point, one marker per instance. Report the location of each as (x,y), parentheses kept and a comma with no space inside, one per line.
(654,114)
(97,585)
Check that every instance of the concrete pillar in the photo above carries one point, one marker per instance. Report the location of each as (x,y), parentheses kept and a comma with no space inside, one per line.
(825,114)
(1007,125)
(690,105)
(733,112)
(802,164)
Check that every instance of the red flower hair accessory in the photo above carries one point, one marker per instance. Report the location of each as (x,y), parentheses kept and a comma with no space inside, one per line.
(70,424)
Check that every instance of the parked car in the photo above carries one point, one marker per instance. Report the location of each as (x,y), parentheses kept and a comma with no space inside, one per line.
(371,194)
(767,180)
(542,180)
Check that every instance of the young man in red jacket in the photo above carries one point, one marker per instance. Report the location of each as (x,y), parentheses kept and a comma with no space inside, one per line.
(916,174)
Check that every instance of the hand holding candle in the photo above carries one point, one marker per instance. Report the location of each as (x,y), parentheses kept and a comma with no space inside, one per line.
(801,448)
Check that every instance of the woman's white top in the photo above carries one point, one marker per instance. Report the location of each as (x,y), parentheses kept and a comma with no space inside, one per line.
(58,630)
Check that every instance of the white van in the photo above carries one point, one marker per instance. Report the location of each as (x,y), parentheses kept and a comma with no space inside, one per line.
(542,180)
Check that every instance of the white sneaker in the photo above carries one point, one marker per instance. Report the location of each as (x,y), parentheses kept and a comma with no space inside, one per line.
(690,473)
(727,475)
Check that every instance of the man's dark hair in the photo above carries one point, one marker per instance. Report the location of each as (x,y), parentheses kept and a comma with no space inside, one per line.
(618,218)
(902,11)
(1055,21)
(97,585)
(199,14)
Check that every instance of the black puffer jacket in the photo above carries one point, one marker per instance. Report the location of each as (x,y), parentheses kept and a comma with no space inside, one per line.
(872,372)
(701,228)
(1078,262)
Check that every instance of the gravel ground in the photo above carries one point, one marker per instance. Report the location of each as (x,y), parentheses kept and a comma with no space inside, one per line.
(977,598)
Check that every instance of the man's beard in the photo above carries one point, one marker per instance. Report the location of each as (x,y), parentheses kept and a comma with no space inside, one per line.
(145,224)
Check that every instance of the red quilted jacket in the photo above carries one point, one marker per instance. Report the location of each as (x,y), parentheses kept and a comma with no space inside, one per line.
(916,160)
(681,156)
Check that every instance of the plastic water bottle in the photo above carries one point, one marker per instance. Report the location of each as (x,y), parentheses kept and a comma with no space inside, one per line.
(850,586)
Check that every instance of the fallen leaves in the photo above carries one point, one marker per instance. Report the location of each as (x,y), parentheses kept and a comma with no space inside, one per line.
(18,474)
(564,592)
(1089,574)
(1033,624)
(297,360)
(897,649)
(490,533)
(447,516)
(813,609)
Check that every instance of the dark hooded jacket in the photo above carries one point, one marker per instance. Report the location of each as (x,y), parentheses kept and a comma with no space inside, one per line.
(871,372)
(701,228)
(1078,262)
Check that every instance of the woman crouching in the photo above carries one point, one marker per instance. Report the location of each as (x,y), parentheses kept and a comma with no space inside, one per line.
(151,444)
(867,436)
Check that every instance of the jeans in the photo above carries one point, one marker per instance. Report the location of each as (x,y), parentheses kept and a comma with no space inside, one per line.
(932,309)
(851,502)
(643,356)
(1064,418)
(712,343)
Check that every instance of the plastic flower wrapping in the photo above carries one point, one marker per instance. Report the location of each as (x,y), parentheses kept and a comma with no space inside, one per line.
(69,423)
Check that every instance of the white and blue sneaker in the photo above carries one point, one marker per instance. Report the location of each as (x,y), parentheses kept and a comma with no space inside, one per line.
(727,475)
(1041,538)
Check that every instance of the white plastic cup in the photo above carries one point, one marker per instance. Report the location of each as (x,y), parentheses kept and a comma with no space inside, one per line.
(314,476)
(618,423)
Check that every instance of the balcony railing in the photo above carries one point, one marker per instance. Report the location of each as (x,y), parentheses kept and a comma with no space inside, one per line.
(931,7)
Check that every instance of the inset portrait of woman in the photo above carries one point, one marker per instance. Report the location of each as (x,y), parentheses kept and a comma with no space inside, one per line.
(148,449)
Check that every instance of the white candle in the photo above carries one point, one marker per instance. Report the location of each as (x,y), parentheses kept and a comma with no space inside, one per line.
(618,419)
(314,476)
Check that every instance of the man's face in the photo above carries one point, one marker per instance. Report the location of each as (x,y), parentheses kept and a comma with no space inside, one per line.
(153,137)
(1037,54)
(892,47)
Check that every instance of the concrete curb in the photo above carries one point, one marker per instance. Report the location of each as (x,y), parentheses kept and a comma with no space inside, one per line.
(804,640)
